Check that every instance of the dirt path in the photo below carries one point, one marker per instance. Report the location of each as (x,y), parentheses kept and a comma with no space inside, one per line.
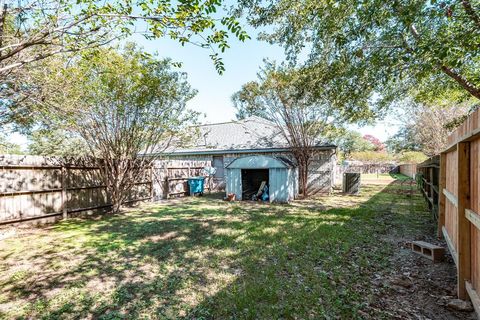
(414,288)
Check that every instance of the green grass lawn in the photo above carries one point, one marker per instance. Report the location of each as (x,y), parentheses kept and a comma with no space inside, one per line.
(203,258)
(374,176)
(384,176)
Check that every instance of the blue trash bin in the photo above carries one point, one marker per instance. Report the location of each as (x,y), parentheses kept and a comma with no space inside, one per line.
(196,185)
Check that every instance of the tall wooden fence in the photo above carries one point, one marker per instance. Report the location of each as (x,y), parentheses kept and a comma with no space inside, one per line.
(408,169)
(42,188)
(171,175)
(364,168)
(459,205)
(428,173)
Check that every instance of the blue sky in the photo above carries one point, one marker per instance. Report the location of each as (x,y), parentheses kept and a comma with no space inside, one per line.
(242,62)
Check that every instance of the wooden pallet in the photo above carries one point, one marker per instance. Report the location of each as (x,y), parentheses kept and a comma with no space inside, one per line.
(428,250)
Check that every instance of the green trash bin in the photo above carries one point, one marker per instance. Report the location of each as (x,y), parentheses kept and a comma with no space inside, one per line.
(196,185)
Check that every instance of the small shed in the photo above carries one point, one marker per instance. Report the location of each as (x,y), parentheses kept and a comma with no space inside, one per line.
(244,177)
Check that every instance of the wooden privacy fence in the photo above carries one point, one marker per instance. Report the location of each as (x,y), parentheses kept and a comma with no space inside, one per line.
(459,205)
(408,169)
(427,177)
(177,177)
(364,168)
(171,175)
(33,187)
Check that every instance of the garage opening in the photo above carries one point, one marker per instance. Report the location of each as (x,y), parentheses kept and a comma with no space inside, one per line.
(254,183)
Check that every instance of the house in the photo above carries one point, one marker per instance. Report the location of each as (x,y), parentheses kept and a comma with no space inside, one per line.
(245,153)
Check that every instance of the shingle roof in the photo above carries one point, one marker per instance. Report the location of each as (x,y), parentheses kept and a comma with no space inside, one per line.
(247,134)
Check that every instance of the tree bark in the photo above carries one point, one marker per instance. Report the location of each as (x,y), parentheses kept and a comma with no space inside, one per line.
(305,180)
(303,174)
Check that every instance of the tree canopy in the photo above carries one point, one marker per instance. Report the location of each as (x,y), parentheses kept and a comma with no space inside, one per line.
(7,147)
(378,50)
(304,119)
(403,140)
(349,141)
(32,30)
(426,128)
(56,142)
(306,87)
(114,105)
(412,157)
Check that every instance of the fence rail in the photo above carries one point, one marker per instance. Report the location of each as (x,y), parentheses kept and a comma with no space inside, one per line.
(42,189)
(34,188)
(459,205)
(427,178)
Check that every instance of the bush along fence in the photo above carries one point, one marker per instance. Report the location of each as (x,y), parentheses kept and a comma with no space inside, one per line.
(459,205)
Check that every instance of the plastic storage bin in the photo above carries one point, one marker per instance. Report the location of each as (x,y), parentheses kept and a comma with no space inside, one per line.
(196,185)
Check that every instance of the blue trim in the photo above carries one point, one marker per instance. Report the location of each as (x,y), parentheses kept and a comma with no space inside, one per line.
(266,162)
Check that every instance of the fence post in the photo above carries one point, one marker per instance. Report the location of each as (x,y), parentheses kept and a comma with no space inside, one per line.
(463,231)
(442,183)
(64,192)
(152,179)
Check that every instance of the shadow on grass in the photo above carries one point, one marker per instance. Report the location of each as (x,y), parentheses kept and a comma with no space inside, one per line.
(206,259)
(399,176)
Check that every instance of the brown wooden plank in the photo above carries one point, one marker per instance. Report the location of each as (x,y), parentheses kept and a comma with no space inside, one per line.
(474,297)
(450,197)
(463,234)
(450,245)
(29,167)
(30,218)
(64,193)
(473,217)
(470,136)
(441,196)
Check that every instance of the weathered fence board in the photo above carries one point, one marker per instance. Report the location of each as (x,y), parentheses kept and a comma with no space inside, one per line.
(408,169)
(364,168)
(33,187)
(459,205)
(427,178)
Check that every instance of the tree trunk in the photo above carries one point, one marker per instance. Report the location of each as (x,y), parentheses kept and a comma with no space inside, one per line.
(116,206)
(467,85)
(115,199)
(303,173)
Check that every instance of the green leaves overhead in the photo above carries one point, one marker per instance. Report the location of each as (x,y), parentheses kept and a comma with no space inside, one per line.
(391,48)
(46,28)
(309,88)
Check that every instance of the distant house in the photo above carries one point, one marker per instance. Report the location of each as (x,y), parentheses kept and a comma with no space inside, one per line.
(261,148)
